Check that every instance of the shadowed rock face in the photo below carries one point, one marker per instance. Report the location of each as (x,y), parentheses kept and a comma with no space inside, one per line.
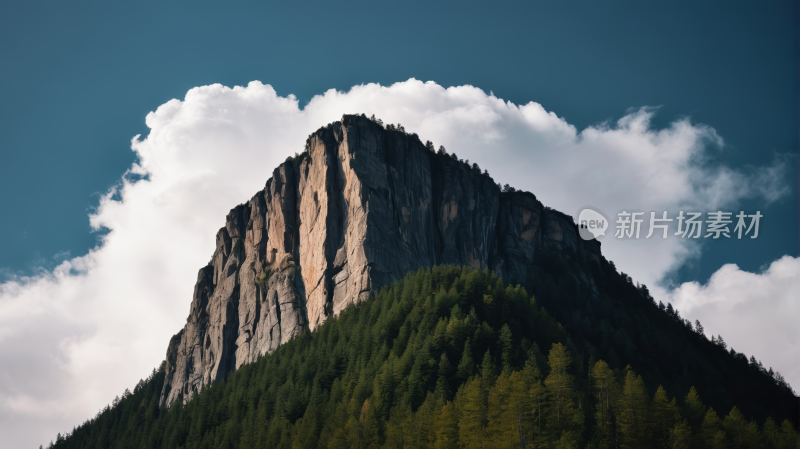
(361,208)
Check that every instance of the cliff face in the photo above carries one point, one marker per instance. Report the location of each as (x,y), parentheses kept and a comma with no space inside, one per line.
(361,208)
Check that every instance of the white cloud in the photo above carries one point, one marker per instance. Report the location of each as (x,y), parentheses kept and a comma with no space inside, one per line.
(756,313)
(72,339)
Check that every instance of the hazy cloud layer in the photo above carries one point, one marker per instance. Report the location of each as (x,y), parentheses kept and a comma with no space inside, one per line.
(72,339)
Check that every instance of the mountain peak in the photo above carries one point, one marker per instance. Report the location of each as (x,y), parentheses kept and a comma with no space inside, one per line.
(363,205)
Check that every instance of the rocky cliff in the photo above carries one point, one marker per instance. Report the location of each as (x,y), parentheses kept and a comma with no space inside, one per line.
(360,208)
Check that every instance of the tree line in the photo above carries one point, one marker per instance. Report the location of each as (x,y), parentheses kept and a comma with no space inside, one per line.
(446,357)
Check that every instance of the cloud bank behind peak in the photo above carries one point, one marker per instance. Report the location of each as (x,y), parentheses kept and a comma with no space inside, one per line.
(73,338)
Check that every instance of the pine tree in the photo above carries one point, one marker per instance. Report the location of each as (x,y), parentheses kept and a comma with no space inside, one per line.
(772,434)
(424,431)
(472,413)
(569,439)
(681,436)
(506,346)
(502,416)
(520,403)
(663,417)
(446,428)
(693,409)
(466,367)
(752,436)
(443,389)
(632,423)
(710,427)
(370,425)
(606,391)
(399,428)
(721,342)
(487,370)
(735,427)
(306,431)
(561,415)
(699,328)
(559,382)
(788,436)
(537,398)
(720,441)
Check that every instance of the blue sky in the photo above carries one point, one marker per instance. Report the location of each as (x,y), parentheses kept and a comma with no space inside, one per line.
(79,79)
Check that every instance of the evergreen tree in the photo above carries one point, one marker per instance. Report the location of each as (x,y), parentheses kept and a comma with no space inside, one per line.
(681,436)
(472,414)
(710,428)
(503,413)
(446,428)
(466,367)
(772,434)
(521,405)
(788,436)
(561,416)
(606,391)
(693,409)
(569,439)
(487,369)
(632,416)
(752,436)
(736,428)
(663,417)
(443,388)
(506,347)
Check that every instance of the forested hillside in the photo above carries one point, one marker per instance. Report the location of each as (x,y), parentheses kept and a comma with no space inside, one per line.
(451,357)
(625,326)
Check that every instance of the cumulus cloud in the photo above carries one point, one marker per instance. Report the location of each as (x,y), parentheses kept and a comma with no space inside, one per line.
(756,313)
(73,338)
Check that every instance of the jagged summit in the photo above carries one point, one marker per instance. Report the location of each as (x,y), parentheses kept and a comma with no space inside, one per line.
(361,207)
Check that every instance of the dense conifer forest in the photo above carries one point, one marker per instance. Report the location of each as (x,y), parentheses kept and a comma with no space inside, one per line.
(450,357)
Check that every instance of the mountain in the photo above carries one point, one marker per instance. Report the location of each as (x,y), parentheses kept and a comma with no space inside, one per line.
(360,207)
(378,293)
